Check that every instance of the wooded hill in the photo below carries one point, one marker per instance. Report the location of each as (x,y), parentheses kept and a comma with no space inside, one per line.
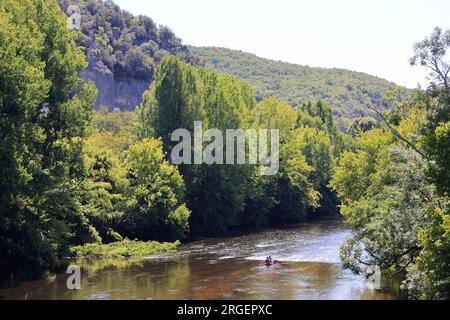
(347,92)
(123,50)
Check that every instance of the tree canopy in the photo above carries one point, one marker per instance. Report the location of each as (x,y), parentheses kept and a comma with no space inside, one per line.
(348,93)
(45,111)
(394,185)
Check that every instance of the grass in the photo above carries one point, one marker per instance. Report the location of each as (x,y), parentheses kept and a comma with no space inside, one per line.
(123,249)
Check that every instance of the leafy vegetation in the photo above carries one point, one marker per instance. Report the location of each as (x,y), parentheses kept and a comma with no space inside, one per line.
(225,197)
(153,200)
(131,190)
(123,249)
(394,186)
(68,178)
(433,270)
(386,196)
(114,131)
(42,127)
(347,92)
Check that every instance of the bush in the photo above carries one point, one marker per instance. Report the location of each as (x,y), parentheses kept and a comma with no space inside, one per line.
(124,249)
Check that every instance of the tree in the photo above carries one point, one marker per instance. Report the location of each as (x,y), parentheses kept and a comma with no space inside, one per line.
(45,111)
(180,95)
(175,100)
(154,208)
(291,188)
(103,193)
(432,276)
(430,53)
(387,217)
(323,144)
(385,197)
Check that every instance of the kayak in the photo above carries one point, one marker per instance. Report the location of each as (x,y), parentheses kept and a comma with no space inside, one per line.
(270,263)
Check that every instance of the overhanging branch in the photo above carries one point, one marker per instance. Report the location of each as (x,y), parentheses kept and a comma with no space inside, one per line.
(394,131)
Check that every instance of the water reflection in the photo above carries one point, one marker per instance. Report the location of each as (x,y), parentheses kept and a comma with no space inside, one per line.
(228,268)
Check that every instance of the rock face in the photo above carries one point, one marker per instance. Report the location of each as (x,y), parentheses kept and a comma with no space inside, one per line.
(116,94)
(122,51)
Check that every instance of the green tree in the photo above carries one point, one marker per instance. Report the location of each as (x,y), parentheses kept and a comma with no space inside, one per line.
(180,95)
(431,53)
(103,193)
(324,143)
(45,111)
(385,195)
(388,216)
(434,261)
(154,208)
(291,188)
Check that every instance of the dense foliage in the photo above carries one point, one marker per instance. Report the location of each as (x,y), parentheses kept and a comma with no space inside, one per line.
(348,93)
(41,130)
(386,196)
(123,249)
(434,260)
(395,186)
(68,178)
(225,197)
(131,190)
(153,209)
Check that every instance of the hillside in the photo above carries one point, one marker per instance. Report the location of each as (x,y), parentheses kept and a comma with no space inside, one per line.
(347,92)
(122,51)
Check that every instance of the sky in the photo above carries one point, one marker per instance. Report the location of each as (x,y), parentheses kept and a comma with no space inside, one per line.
(370,36)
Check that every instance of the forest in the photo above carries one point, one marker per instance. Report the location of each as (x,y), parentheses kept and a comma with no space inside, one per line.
(75,181)
(347,92)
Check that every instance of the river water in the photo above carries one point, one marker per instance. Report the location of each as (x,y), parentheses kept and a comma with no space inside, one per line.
(224,268)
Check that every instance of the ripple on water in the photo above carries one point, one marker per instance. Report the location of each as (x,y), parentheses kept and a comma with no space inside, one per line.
(99,296)
(227,258)
(226,268)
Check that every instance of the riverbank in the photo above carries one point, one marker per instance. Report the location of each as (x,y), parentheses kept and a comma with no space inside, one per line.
(241,231)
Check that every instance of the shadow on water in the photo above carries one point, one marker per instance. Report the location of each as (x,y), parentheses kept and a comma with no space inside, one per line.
(226,268)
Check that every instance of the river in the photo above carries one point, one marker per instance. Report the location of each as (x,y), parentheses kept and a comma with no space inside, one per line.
(223,268)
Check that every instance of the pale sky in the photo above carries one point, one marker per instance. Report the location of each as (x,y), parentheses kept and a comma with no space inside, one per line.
(373,36)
